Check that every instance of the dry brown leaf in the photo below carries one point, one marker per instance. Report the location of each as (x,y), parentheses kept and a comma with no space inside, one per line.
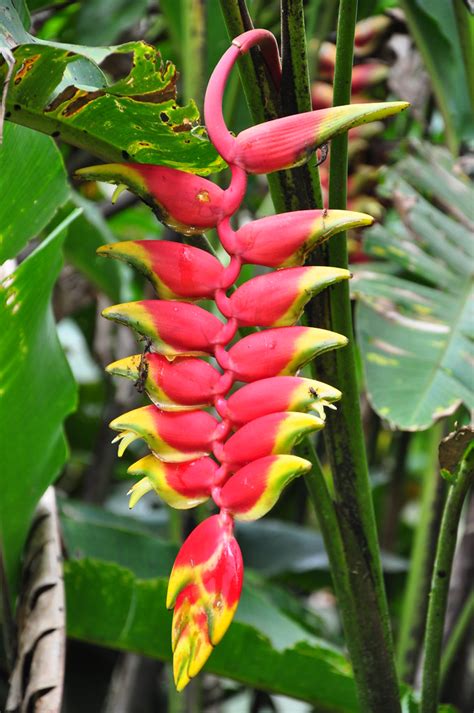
(36,683)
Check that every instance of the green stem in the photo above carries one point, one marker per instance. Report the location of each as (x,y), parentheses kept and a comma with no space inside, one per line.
(192,55)
(440,584)
(465,25)
(372,649)
(466,617)
(418,34)
(320,491)
(176,701)
(296,94)
(415,599)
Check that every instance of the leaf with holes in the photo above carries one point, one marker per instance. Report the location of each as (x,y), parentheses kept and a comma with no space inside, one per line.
(415,322)
(61,90)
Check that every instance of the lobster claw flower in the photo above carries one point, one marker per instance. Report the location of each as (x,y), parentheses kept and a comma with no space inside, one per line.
(287,142)
(179,385)
(281,351)
(172,437)
(186,203)
(181,485)
(254,489)
(290,290)
(204,589)
(268,435)
(174,328)
(280,393)
(284,240)
(176,271)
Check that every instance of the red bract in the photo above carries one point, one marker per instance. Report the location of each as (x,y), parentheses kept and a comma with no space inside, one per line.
(260,422)
(204,589)
(172,437)
(254,489)
(177,385)
(176,271)
(173,327)
(290,289)
(185,202)
(181,485)
(275,352)
(285,240)
(268,435)
(279,393)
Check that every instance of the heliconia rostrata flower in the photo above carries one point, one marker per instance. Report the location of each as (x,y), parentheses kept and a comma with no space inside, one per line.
(239,457)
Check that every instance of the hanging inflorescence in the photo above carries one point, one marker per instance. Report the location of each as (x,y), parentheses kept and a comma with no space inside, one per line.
(241,460)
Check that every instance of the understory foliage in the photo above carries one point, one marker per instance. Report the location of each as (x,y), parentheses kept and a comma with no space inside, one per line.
(243,374)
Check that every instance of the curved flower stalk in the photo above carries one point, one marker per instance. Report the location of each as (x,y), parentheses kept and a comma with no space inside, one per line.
(242,459)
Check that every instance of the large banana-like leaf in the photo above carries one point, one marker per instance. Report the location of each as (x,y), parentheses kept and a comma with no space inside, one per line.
(61,90)
(414,316)
(37,393)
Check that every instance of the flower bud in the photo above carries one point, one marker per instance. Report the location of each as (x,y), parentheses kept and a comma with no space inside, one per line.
(366,75)
(368,34)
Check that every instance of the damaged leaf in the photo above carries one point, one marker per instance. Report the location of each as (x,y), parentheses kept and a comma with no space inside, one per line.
(61,91)
(452,449)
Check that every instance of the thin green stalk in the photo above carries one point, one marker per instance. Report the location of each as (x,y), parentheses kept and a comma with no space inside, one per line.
(415,601)
(465,25)
(440,584)
(296,94)
(192,54)
(465,619)
(176,701)
(321,496)
(372,651)
(418,35)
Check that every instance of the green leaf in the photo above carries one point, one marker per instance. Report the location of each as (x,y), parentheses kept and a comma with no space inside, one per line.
(121,604)
(88,232)
(415,327)
(33,177)
(275,548)
(432,24)
(100,23)
(60,90)
(37,393)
